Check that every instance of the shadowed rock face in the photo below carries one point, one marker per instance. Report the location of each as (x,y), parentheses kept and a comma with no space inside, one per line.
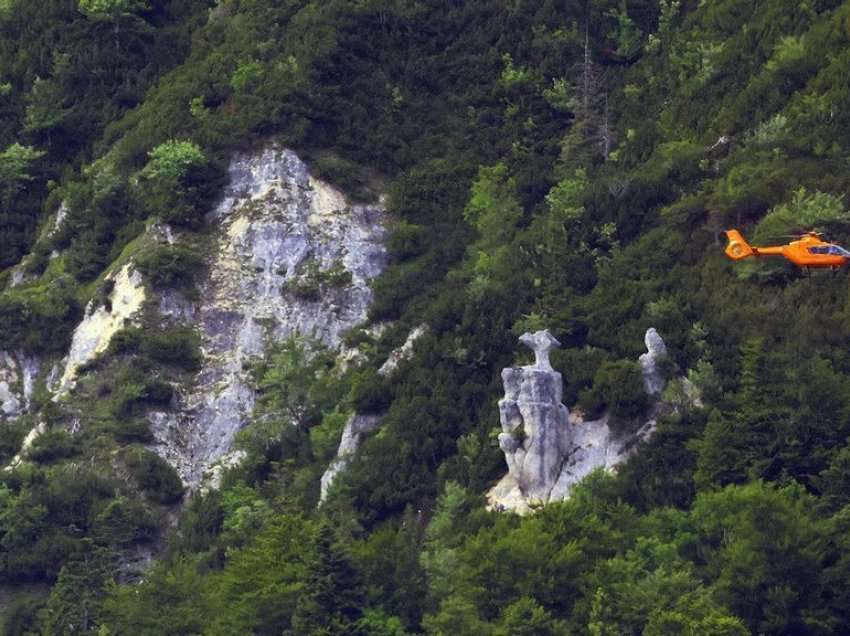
(293,256)
(547,449)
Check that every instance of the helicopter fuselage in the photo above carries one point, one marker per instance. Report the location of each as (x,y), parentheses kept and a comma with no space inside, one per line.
(810,251)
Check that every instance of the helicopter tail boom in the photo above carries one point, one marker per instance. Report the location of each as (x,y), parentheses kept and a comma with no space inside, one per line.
(738,247)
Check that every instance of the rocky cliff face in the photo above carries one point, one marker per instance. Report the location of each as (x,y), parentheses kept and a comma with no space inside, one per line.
(102,321)
(547,449)
(293,256)
(17,378)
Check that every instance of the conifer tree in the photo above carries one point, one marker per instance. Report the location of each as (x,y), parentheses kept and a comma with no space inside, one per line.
(332,602)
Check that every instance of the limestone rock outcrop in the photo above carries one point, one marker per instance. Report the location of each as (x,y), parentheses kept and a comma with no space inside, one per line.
(650,362)
(356,429)
(93,335)
(293,257)
(18,372)
(547,449)
(535,433)
(10,398)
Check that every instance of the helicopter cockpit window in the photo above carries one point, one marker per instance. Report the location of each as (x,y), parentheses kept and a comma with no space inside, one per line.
(819,249)
(838,251)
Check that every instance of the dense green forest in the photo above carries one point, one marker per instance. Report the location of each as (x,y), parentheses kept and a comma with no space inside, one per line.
(546,164)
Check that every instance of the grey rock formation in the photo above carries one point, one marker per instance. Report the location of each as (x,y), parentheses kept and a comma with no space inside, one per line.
(293,257)
(650,362)
(356,429)
(535,433)
(93,335)
(547,449)
(541,342)
(18,372)
(11,403)
(404,352)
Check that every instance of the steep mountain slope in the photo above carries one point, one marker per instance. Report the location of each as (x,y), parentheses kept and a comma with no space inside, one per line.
(568,166)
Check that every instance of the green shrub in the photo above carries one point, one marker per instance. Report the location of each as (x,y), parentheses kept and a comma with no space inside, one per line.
(153,475)
(125,341)
(178,183)
(171,265)
(20,616)
(313,280)
(618,388)
(369,392)
(38,319)
(52,445)
(131,430)
(11,436)
(179,347)
(347,175)
(133,393)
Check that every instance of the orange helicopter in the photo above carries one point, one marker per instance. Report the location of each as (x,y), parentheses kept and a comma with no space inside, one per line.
(809,251)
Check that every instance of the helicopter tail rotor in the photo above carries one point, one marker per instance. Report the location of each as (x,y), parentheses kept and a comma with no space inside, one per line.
(738,247)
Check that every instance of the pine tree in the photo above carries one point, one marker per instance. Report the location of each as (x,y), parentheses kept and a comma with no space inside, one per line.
(332,602)
(591,134)
(75,603)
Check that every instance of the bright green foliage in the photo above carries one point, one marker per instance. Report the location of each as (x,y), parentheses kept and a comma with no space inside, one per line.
(141,609)
(247,76)
(15,166)
(804,211)
(263,579)
(527,618)
(109,7)
(177,182)
(295,382)
(74,606)
(38,319)
(627,35)
(492,208)
(762,543)
(171,161)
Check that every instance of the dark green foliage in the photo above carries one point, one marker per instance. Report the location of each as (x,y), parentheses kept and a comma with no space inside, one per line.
(179,347)
(369,392)
(171,266)
(45,516)
(153,475)
(178,183)
(38,319)
(347,175)
(20,616)
(331,602)
(11,436)
(64,80)
(125,341)
(52,445)
(617,388)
